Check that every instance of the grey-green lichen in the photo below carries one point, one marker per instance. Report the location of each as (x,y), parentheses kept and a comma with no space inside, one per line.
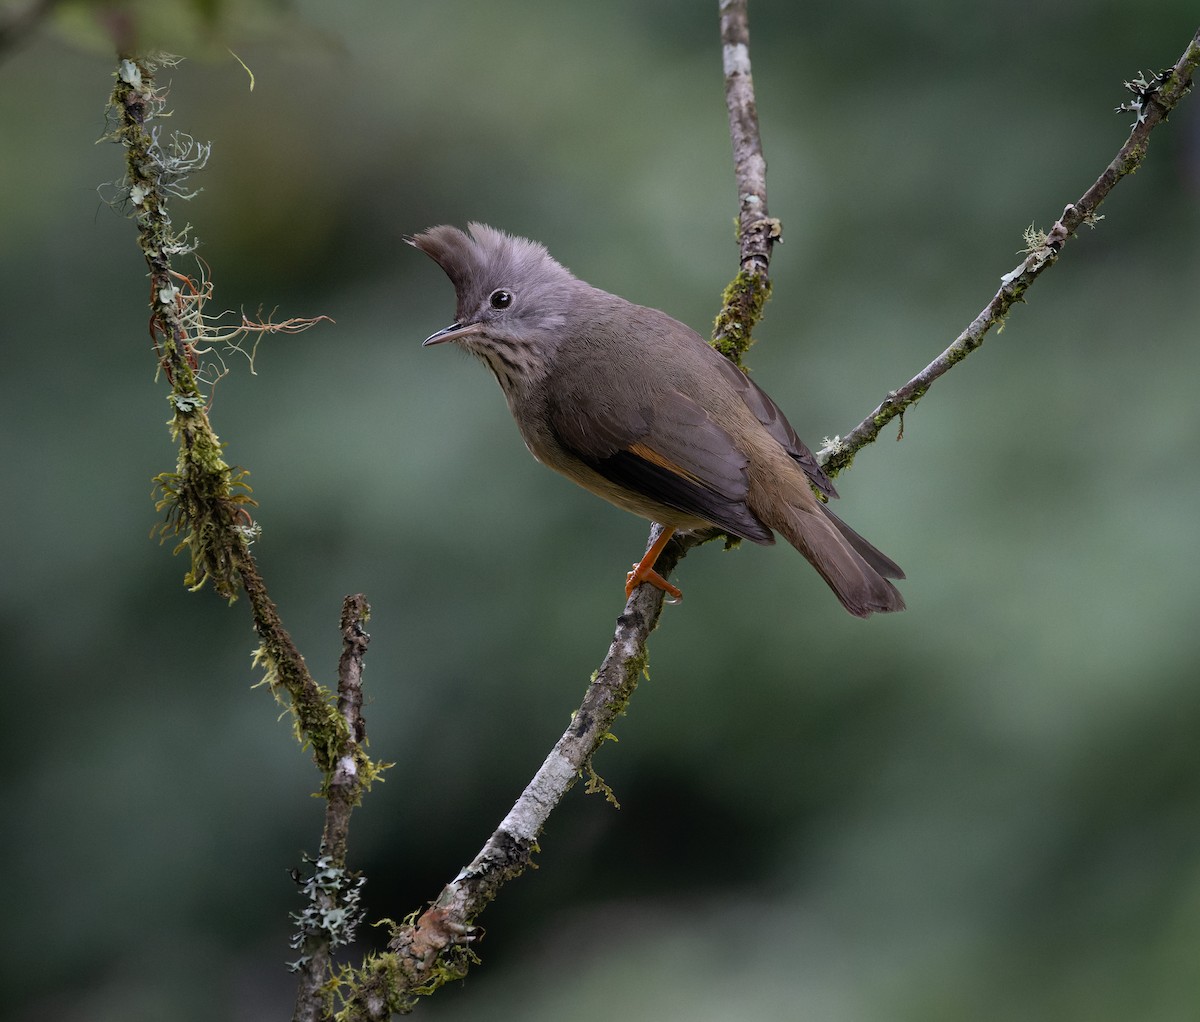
(334,908)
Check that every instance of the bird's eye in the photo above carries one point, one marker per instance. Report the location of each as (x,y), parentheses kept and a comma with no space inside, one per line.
(501,299)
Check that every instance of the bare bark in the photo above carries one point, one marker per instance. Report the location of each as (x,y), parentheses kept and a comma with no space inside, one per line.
(756,230)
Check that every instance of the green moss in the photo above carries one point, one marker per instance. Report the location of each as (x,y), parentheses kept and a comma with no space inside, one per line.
(379,981)
(741,309)
(636,667)
(205,501)
(397,981)
(597,785)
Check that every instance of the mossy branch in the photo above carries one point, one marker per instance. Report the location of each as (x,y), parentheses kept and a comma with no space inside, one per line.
(331,917)
(206,502)
(757,231)
(204,499)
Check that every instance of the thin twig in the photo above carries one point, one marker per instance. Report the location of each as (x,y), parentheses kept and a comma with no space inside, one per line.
(330,919)
(757,232)
(1154,98)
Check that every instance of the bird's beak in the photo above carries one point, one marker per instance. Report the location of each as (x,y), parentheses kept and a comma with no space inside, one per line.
(454,332)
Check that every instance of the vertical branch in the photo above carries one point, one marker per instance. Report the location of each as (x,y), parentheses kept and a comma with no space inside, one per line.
(747,293)
(343,785)
(756,231)
(334,906)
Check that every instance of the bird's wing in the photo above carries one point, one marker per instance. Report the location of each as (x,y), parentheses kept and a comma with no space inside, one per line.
(666,449)
(768,413)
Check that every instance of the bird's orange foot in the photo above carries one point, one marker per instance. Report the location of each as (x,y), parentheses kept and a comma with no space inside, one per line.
(644,571)
(639,575)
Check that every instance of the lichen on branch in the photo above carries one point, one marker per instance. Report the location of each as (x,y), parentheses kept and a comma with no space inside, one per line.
(206,501)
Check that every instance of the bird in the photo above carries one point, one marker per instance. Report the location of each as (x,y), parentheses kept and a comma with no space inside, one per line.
(636,407)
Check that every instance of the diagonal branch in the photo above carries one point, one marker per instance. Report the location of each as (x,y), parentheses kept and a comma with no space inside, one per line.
(427,950)
(1155,97)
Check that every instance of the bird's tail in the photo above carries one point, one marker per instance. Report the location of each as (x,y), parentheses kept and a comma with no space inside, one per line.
(853,569)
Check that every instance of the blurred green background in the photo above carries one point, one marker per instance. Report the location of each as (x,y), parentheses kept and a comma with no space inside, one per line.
(985,808)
